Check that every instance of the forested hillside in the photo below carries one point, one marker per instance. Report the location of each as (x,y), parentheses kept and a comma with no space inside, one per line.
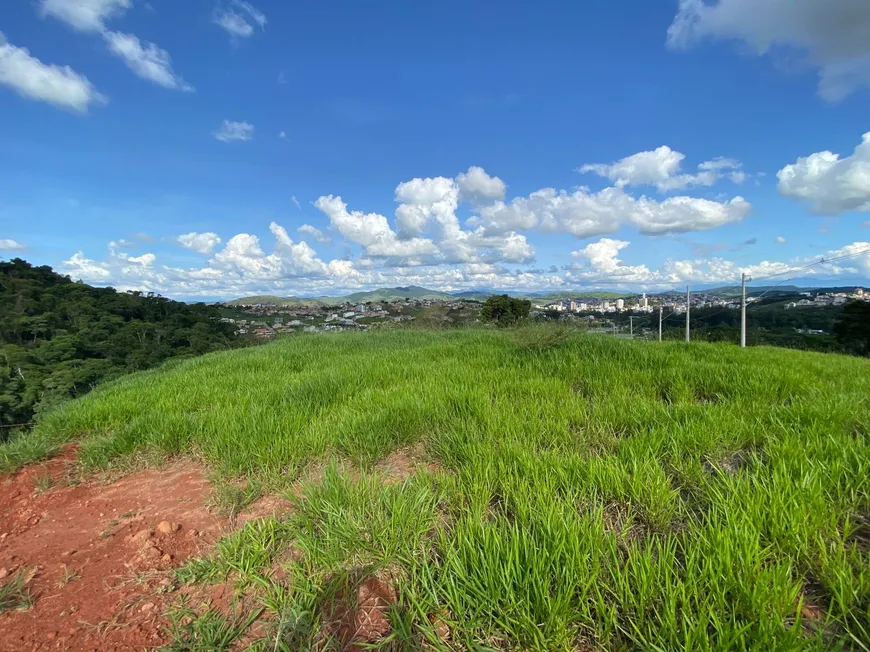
(59,338)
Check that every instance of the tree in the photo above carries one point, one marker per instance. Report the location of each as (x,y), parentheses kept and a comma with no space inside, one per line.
(505,310)
(853,328)
(58,339)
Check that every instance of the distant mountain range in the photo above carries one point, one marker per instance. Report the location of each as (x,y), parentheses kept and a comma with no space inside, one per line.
(384,295)
(381,295)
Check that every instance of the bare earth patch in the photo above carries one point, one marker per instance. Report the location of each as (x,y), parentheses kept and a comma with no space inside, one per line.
(401,464)
(268,506)
(100,555)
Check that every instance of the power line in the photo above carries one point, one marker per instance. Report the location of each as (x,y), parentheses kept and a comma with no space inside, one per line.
(821,261)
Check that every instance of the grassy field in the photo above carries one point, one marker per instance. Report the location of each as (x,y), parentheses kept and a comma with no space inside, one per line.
(584,492)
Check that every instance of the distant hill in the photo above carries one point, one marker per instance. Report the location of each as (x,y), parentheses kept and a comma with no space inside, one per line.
(272,300)
(754,290)
(379,295)
(385,295)
(396,294)
(475,295)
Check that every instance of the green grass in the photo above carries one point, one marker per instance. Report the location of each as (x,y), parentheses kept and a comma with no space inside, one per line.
(592,492)
(14,594)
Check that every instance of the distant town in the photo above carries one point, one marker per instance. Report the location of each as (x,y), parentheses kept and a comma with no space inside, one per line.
(266,320)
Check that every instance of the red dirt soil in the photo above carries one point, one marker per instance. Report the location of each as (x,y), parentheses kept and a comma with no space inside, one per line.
(100,556)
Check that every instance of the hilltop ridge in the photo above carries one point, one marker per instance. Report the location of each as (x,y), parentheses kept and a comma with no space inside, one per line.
(511,485)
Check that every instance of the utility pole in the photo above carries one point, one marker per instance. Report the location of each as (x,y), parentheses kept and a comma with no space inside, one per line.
(631,325)
(661,310)
(688,308)
(743,278)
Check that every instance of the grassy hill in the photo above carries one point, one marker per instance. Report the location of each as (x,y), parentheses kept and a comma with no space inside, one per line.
(571,493)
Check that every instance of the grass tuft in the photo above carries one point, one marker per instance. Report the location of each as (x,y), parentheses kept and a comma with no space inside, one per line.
(14,593)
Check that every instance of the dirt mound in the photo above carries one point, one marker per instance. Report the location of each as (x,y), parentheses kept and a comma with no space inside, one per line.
(97,558)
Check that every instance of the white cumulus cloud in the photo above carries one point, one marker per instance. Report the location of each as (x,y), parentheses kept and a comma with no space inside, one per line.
(202,243)
(315,233)
(231,131)
(477,186)
(84,15)
(35,80)
(830,184)
(243,268)
(781,240)
(586,214)
(7,244)
(145,59)
(662,168)
(832,34)
(371,231)
(236,19)
(600,264)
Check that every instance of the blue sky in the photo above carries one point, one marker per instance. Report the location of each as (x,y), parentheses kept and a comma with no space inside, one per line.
(180,147)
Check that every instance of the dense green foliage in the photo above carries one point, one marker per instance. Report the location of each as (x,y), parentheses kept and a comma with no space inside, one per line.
(505,310)
(593,493)
(853,330)
(59,338)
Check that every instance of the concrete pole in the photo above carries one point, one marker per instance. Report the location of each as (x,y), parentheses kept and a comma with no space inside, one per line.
(661,310)
(688,302)
(743,279)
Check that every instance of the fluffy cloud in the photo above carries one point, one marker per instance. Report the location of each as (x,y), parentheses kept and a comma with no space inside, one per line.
(236,19)
(202,243)
(427,207)
(33,79)
(371,231)
(146,260)
(602,260)
(231,131)
(662,168)
(832,34)
(84,15)
(427,244)
(314,232)
(586,214)
(830,184)
(242,268)
(477,186)
(601,264)
(781,240)
(11,245)
(146,60)
(684,214)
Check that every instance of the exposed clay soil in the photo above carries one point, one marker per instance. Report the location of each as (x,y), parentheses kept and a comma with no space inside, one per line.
(100,555)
